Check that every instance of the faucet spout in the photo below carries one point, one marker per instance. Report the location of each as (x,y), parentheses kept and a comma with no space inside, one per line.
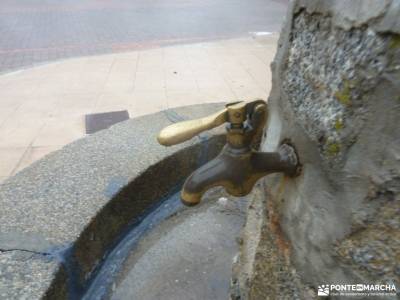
(237,170)
(209,175)
(284,160)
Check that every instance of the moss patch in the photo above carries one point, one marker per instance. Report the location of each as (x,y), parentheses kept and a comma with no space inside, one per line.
(333,149)
(339,124)
(395,42)
(344,96)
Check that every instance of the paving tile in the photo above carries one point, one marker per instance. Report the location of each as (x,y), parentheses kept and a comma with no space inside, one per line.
(100,61)
(57,83)
(36,109)
(6,113)
(33,154)
(210,79)
(132,55)
(124,66)
(10,157)
(248,94)
(119,82)
(235,72)
(149,81)
(227,61)
(266,54)
(183,98)
(179,81)
(147,102)
(242,79)
(70,66)
(175,57)
(87,83)
(13,95)
(201,60)
(218,52)
(109,101)
(213,95)
(19,132)
(150,60)
(121,76)
(63,77)
(75,104)
(60,131)
(11,83)
(261,76)
(199,63)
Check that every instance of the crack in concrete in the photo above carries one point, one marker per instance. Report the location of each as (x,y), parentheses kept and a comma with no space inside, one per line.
(25,250)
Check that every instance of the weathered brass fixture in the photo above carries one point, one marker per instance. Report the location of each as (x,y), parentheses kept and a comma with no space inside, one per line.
(239,165)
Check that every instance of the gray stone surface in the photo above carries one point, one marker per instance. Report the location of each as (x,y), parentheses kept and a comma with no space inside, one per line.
(189,255)
(335,95)
(379,15)
(24,273)
(83,196)
(10,240)
(260,271)
(329,74)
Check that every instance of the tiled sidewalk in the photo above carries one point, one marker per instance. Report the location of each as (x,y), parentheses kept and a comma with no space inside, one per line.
(43,108)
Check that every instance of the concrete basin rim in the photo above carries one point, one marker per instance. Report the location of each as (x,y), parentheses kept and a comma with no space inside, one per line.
(71,267)
(65,259)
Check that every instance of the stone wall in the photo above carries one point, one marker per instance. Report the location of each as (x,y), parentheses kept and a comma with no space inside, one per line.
(336,96)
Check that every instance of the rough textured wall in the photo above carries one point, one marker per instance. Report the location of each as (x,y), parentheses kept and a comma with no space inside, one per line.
(336,96)
(328,77)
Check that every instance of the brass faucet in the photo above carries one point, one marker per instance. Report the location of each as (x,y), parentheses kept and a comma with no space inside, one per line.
(239,165)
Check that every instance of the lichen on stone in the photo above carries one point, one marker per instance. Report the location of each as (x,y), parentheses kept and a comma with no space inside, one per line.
(373,246)
(333,149)
(328,74)
(395,41)
(339,124)
(344,95)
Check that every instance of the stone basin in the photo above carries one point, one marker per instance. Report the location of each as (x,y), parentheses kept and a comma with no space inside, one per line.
(175,253)
(63,218)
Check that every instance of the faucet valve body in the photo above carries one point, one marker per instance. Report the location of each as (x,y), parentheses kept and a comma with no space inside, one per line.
(239,165)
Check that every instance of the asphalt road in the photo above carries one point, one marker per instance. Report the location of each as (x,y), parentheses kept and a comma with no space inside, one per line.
(35,31)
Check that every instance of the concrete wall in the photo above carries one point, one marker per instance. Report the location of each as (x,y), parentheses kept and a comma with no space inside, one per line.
(336,96)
